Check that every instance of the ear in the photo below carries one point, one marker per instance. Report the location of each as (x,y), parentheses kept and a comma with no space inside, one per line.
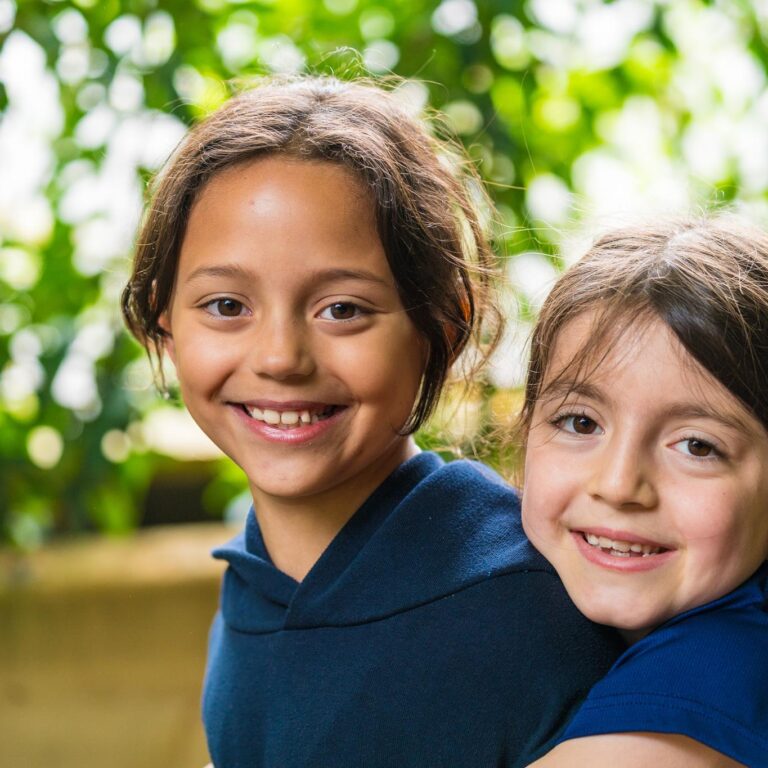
(451,330)
(451,333)
(165,342)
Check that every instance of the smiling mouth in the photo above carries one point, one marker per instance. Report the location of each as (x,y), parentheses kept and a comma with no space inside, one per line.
(291,419)
(619,548)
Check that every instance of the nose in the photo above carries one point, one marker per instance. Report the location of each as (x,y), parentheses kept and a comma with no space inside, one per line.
(281,349)
(622,476)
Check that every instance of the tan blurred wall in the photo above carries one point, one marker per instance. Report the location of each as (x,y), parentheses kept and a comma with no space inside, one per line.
(102,650)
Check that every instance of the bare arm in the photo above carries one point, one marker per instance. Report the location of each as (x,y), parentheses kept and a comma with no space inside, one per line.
(634,750)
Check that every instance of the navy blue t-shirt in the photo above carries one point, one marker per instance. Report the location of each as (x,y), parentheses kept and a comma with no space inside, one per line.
(429,633)
(702,674)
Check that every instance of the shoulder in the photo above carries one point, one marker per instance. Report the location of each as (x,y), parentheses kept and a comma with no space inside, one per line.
(471,517)
(465,480)
(697,651)
(701,675)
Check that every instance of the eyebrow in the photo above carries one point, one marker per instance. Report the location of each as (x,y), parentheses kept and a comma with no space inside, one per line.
(234,271)
(224,270)
(562,389)
(691,411)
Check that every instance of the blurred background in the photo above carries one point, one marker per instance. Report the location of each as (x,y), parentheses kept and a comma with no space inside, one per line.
(577,113)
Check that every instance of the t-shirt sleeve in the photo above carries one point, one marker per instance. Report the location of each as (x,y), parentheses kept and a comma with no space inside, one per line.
(704,676)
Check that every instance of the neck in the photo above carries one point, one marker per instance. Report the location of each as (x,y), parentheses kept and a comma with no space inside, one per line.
(296,531)
(631,636)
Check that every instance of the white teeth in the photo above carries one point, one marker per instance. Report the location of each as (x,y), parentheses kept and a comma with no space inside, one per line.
(288,418)
(271,417)
(619,548)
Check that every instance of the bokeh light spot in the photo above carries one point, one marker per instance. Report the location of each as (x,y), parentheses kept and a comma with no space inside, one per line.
(45,446)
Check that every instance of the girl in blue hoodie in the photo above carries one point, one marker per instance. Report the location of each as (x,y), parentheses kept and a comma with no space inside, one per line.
(313,262)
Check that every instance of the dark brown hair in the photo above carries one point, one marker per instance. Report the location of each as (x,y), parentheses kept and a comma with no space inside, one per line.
(706,279)
(424,193)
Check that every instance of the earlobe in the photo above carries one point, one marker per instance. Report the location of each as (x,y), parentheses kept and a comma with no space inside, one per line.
(452,335)
(454,332)
(169,348)
(165,341)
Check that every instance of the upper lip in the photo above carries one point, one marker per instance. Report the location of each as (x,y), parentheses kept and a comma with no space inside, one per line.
(617,535)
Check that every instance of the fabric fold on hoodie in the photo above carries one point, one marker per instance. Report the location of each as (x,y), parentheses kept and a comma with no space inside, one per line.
(429,632)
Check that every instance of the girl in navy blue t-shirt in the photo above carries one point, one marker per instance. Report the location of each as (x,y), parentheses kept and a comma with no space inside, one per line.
(646,486)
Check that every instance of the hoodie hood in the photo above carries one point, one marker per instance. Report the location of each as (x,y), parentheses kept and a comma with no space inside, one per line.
(431,529)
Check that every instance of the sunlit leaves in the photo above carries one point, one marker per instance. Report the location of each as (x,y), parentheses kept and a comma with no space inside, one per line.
(572,109)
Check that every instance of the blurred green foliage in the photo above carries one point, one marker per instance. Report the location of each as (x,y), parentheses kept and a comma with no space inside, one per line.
(574,110)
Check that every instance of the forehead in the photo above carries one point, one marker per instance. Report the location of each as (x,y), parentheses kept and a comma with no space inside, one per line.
(632,358)
(593,342)
(276,182)
(283,213)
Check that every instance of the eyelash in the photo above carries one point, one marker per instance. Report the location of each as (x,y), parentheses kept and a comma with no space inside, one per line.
(358,310)
(716,453)
(207,306)
(562,416)
(558,419)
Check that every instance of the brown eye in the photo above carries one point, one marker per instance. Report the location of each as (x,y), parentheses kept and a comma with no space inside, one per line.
(699,448)
(227,307)
(583,425)
(341,310)
(577,424)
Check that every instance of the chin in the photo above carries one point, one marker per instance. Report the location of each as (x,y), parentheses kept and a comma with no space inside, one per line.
(289,491)
(605,612)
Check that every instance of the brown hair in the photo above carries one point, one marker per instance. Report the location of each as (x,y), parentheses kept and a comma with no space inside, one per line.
(706,279)
(425,198)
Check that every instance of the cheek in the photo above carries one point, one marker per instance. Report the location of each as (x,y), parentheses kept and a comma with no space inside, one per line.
(722,522)
(540,506)
(384,369)
(201,361)
(542,486)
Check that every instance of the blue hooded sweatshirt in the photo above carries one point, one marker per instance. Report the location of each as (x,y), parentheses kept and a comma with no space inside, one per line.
(429,633)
